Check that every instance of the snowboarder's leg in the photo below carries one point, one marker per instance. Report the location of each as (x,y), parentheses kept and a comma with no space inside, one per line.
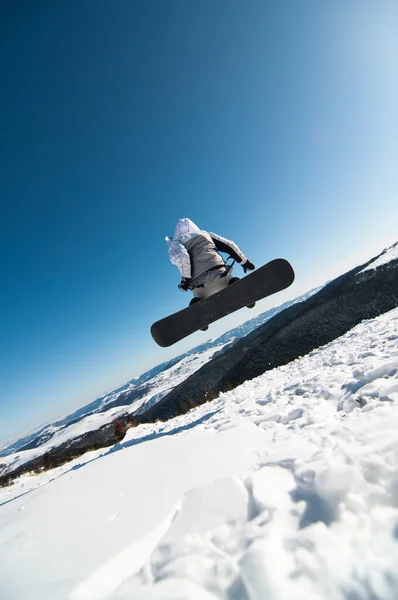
(212,286)
(212,283)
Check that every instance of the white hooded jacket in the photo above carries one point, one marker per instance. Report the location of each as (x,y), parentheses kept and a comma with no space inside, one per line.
(195,251)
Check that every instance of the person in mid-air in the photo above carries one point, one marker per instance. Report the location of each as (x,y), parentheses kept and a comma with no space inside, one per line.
(196,253)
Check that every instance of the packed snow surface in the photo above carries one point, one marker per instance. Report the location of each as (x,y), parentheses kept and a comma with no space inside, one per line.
(284,488)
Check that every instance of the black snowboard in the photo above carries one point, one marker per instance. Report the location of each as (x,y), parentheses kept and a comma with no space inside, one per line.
(273,277)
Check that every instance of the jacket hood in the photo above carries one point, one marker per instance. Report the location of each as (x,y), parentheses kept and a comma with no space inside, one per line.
(185,230)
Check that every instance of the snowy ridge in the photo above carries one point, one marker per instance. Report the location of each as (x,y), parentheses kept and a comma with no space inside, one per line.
(284,488)
(385,257)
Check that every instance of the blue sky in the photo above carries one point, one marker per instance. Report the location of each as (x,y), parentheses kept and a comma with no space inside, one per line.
(274,124)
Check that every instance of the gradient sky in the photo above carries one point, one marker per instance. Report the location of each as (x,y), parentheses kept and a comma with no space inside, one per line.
(272,123)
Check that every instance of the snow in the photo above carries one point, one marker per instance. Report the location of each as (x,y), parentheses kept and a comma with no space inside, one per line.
(158,387)
(284,488)
(387,256)
(61,436)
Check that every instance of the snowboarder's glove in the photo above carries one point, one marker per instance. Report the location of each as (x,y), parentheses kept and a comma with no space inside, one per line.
(184,284)
(248,266)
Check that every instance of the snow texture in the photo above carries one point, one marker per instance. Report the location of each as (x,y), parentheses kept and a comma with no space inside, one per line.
(284,488)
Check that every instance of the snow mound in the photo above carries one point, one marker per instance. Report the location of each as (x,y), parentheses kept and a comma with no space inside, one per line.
(284,488)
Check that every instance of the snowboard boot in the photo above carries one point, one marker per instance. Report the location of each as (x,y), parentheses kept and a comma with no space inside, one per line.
(232,280)
(194,301)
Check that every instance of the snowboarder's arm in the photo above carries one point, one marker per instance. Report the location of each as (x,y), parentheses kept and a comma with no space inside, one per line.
(224,245)
(179,256)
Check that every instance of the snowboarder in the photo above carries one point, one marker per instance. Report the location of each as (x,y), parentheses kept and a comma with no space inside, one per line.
(196,254)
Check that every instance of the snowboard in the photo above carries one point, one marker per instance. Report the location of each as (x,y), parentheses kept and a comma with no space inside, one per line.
(269,279)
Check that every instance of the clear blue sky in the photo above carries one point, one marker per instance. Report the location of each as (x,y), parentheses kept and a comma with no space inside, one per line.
(272,123)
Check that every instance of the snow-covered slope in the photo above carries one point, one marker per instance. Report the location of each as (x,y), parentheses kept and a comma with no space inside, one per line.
(138,394)
(284,488)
